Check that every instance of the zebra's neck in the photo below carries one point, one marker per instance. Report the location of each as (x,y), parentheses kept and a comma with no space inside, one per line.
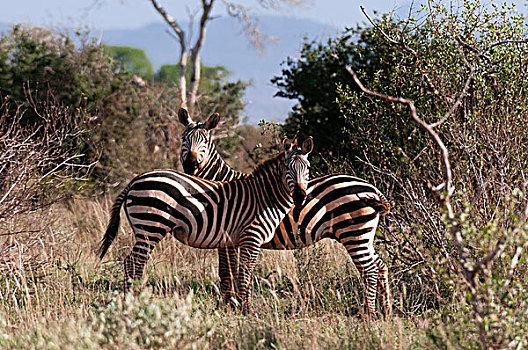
(218,170)
(268,176)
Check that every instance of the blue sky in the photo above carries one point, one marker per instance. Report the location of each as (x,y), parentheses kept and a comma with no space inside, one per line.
(112,14)
(125,14)
(101,15)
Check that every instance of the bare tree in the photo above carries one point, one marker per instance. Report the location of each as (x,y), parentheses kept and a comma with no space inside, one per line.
(38,162)
(190,51)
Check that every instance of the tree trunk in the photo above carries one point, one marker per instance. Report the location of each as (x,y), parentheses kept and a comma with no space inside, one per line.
(182,82)
(184,56)
(195,56)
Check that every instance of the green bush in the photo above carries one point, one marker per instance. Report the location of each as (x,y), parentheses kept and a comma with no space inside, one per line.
(428,59)
(142,322)
(129,122)
(134,60)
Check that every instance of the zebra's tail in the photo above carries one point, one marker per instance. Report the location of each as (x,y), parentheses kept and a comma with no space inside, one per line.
(113,224)
(386,207)
(381,205)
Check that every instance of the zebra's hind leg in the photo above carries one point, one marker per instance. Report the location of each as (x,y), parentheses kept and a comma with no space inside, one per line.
(135,262)
(364,258)
(228,271)
(370,281)
(383,287)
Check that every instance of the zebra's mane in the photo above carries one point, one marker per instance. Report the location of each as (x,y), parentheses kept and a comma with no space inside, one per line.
(267,163)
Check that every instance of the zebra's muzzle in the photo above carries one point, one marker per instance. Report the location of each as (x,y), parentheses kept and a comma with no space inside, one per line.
(299,195)
(190,165)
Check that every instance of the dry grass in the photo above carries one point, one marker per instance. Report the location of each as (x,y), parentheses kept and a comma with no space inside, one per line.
(308,299)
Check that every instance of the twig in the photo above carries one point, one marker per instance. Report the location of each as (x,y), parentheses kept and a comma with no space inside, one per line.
(524,41)
(483,264)
(375,25)
(467,272)
(458,101)
(513,265)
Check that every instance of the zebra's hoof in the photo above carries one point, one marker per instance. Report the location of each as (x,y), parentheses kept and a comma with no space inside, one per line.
(247,310)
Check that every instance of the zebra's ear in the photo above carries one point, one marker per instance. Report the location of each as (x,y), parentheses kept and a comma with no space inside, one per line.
(287,144)
(184,117)
(307,145)
(212,121)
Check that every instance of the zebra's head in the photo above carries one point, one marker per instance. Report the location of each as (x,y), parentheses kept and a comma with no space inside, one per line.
(196,143)
(297,168)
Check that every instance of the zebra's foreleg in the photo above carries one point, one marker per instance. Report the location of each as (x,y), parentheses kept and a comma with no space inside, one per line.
(248,258)
(228,271)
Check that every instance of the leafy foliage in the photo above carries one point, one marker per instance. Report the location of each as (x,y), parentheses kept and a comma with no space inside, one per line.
(428,61)
(312,80)
(134,60)
(39,62)
(129,121)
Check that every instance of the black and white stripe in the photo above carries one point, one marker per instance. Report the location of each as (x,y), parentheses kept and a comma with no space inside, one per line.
(210,214)
(341,207)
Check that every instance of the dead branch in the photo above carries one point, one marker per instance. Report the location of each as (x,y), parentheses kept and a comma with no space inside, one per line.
(195,54)
(453,220)
(248,23)
(513,265)
(37,162)
(184,54)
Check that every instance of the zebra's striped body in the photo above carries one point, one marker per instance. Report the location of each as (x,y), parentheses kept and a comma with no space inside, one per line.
(337,206)
(341,207)
(209,214)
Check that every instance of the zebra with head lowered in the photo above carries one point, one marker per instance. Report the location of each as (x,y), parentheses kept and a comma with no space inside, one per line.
(341,207)
(211,214)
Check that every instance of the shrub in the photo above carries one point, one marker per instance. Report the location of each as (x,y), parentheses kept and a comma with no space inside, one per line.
(135,60)
(428,60)
(130,121)
(142,322)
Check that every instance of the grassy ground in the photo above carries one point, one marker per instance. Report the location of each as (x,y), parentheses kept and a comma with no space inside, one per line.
(56,294)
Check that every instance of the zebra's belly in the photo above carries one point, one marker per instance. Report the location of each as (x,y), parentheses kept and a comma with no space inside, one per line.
(151,224)
(221,240)
(277,244)
(289,235)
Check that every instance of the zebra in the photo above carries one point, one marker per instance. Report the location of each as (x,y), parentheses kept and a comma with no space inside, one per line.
(341,207)
(211,214)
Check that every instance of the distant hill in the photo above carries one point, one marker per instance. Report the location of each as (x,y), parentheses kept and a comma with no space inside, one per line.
(226,45)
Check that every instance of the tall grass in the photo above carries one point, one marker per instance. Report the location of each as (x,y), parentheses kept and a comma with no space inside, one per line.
(55,293)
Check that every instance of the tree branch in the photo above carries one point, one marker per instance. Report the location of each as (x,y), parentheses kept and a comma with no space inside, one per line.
(448,177)
(180,34)
(513,265)
(195,55)
(170,21)
(467,271)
